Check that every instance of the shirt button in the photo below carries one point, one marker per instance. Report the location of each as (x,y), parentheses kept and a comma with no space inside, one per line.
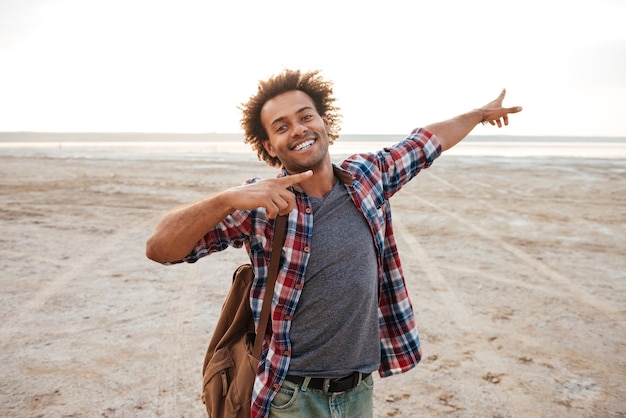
(308,210)
(298,287)
(288,318)
(307,249)
(275,385)
(285,353)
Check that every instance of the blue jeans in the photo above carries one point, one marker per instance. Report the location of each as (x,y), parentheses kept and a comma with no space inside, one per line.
(303,402)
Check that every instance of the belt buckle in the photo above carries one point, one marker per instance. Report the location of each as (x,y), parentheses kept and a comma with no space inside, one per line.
(326,386)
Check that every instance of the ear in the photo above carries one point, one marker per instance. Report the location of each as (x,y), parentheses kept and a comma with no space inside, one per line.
(326,123)
(268,147)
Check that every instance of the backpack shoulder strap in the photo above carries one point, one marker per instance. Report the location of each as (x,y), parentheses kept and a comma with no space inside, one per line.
(277,245)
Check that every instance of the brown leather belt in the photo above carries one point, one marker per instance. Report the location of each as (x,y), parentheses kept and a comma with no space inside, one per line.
(328,385)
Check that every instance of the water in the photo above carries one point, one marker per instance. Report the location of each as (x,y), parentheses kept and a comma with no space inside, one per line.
(230,147)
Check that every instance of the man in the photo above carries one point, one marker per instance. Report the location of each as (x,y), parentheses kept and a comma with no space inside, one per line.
(340,309)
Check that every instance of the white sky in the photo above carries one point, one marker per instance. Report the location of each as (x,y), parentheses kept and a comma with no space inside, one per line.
(185,65)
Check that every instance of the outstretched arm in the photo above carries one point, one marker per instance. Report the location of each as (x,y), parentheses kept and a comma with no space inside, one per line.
(180,229)
(452,131)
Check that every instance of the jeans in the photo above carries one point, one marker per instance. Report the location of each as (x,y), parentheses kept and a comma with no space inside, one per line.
(302,402)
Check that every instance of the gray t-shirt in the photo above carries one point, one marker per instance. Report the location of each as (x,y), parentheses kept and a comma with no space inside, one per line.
(335,331)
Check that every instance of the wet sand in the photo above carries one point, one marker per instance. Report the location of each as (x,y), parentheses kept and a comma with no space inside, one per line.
(516,269)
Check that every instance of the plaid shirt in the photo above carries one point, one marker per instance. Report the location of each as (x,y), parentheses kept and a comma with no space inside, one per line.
(371,179)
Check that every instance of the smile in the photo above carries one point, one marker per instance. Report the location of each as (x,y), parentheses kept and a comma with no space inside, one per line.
(304,145)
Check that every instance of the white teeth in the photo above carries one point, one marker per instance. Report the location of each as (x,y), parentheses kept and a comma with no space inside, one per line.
(304,145)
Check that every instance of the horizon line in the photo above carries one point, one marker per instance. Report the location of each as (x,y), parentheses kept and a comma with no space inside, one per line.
(340,134)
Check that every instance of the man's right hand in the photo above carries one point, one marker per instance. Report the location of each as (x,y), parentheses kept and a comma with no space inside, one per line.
(272,194)
(180,229)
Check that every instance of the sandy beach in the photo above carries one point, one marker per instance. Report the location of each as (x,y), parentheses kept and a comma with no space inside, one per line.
(516,269)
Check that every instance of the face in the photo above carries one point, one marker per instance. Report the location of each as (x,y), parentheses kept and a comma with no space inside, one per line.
(298,135)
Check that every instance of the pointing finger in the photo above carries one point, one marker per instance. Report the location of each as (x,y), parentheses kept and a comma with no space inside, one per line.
(294,178)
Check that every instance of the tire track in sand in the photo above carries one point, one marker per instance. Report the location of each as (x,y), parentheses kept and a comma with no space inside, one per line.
(467,325)
(76,268)
(513,398)
(565,285)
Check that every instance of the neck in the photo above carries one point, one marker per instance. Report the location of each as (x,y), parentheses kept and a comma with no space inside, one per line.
(320,183)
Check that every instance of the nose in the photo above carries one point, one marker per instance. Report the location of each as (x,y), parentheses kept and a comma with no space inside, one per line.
(299,130)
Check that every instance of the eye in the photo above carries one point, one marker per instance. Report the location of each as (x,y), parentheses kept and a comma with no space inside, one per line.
(281,128)
(307,117)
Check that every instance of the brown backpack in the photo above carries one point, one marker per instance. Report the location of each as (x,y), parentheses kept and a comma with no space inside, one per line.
(232,357)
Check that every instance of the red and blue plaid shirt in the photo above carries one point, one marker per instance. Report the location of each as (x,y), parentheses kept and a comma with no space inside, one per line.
(371,180)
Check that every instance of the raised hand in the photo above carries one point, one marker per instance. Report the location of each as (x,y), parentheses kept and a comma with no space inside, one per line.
(272,194)
(495,114)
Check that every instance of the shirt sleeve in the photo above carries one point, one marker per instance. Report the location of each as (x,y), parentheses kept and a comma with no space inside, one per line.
(404,160)
(386,171)
(228,233)
(233,231)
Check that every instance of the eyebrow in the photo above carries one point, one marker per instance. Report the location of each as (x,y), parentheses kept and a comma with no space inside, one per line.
(281,118)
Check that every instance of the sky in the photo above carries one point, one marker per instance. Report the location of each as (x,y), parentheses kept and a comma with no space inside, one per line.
(186,65)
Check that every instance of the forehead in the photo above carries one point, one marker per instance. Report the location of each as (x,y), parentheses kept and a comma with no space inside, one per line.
(285,105)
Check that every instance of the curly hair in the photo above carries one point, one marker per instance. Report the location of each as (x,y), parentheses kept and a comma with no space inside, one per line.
(311,83)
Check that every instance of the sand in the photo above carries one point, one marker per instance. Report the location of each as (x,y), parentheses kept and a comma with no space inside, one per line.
(516,269)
